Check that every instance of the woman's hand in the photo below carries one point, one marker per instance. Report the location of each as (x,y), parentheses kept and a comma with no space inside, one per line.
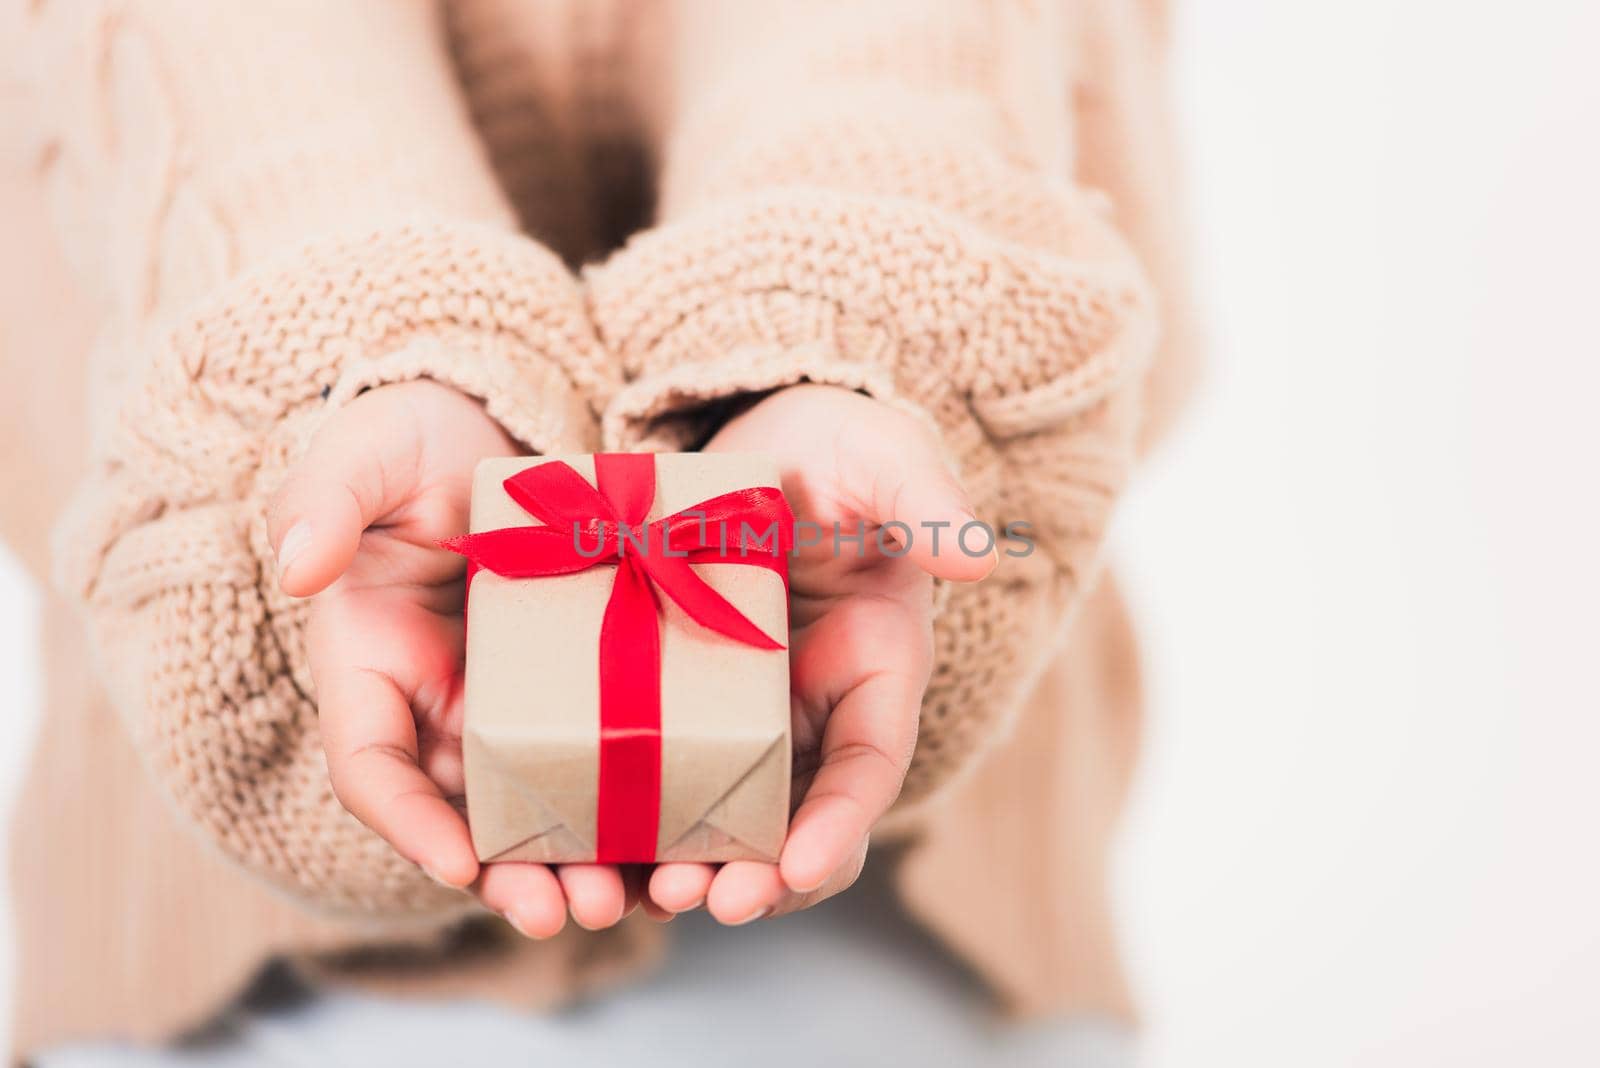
(355,526)
(861,634)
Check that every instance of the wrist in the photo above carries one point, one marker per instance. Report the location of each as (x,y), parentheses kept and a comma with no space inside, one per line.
(742,408)
(436,408)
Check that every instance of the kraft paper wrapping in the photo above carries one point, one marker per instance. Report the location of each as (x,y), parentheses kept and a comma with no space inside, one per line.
(530,738)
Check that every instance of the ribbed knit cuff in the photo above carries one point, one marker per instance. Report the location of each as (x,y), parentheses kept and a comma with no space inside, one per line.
(906,301)
(486,309)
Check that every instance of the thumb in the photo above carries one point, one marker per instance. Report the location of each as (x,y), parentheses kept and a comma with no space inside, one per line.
(900,481)
(350,477)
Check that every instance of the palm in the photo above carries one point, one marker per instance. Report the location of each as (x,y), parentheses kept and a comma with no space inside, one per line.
(860,641)
(850,618)
(385,481)
(854,609)
(411,632)
(395,612)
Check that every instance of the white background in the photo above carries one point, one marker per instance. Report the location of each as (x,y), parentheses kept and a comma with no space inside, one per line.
(1367,564)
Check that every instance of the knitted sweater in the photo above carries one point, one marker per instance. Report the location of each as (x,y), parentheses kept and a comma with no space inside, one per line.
(274,207)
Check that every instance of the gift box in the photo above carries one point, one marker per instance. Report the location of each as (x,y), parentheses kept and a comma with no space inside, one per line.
(627,682)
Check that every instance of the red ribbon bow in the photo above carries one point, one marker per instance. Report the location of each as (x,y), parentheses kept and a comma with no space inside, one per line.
(588,526)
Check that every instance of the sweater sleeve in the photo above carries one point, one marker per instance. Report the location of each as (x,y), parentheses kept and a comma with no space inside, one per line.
(280,205)
(880,197)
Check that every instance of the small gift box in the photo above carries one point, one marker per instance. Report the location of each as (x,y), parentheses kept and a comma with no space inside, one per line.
(627,684)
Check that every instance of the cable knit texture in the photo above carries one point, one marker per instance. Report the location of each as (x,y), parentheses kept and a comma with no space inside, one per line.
(270,208)
(168,543)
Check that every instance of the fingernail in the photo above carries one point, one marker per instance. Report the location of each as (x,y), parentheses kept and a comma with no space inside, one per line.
(759,914)
(598,926)
(696,903)
(516,926)
(806,889)
(293,546)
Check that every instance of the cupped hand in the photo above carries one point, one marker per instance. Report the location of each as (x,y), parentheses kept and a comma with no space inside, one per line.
(354,527)
(861,615)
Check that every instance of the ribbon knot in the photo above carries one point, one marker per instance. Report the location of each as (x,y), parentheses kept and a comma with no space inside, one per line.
(587,526)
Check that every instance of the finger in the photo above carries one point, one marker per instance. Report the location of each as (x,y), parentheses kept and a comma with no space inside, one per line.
(358,468)
(680,887)
(841,880)
(866,748)
(370,739)
(527,895)
(744,891)
(656,912)
(595,894)
(896,476)
(751,892)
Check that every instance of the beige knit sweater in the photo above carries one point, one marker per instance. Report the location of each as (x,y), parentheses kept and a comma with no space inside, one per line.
(273,207)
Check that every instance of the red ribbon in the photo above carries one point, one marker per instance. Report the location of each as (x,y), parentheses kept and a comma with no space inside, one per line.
(588,526)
